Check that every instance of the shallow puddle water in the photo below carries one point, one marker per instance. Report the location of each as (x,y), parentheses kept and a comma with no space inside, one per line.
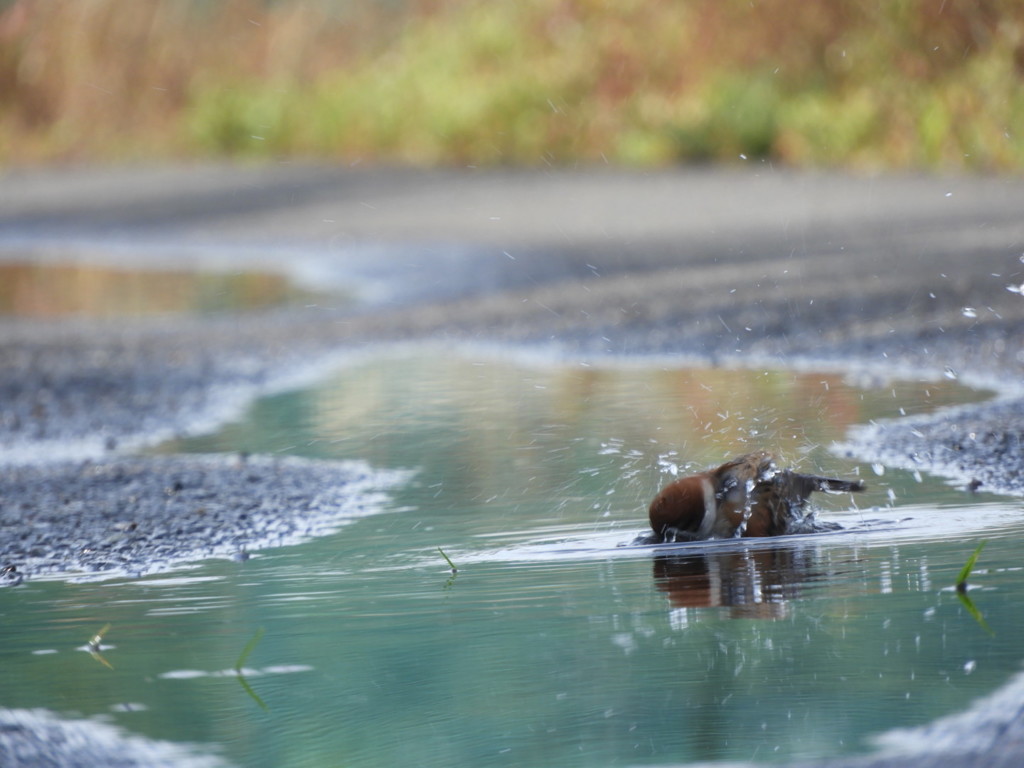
(551,645)
(91,290)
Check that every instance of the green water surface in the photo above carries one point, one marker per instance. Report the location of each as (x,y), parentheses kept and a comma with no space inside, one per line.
(551,645)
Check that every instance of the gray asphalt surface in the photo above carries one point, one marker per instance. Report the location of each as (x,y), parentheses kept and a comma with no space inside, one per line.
(888,276)
(896,274)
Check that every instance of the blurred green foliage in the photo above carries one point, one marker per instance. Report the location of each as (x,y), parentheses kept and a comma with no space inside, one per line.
(846,83)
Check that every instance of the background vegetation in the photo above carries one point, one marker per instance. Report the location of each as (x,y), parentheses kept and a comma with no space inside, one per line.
(851,83)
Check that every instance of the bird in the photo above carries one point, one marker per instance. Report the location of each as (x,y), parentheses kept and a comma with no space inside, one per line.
(746,497)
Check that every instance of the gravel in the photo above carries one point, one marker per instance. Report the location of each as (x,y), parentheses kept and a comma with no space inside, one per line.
(141,515)
(979,446)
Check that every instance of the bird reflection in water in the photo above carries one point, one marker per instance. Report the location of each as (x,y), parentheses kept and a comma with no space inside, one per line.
(753,583)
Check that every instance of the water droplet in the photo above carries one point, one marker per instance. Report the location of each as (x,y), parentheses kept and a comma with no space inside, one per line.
(969,312)
(949,373)
(879,468)
(970,666)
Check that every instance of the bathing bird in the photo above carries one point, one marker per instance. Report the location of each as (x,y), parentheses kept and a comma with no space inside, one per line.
(748,496)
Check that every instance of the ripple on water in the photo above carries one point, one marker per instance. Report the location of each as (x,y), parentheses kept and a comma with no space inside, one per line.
(874,527)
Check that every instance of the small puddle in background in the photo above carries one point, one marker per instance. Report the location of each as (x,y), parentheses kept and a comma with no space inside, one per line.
(58,290)
(550,645)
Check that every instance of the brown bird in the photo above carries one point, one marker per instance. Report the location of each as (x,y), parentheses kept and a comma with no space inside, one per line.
(748,496)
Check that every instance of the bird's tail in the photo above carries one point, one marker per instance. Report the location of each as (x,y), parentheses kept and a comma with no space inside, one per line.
(834,485)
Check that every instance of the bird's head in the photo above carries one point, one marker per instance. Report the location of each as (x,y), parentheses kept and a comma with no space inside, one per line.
(680,505)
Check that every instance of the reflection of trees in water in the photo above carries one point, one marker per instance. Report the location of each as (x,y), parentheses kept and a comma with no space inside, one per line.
(571,431)
(55,290)
(508,445)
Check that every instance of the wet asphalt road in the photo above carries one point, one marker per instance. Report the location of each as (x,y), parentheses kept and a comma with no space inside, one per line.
(895,275)
(887,276)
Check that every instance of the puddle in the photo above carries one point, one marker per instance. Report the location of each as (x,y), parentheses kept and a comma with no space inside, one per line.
(551,645)
(56,290)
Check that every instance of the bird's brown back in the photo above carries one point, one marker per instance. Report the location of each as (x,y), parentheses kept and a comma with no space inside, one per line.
(747,496)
